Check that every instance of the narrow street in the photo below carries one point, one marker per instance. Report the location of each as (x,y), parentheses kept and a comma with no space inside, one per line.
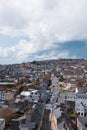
(46,122)
(50,119)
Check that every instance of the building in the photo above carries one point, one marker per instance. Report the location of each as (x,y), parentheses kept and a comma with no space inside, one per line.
(9,95)
(30,95)
(81,105)
(82,123)
(6,95)
(81,89)
(2,124)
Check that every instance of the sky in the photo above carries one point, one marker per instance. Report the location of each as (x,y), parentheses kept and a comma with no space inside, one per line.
(42,30)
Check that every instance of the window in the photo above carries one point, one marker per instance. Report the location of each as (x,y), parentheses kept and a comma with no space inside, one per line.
(78,113)
(64,125)
(85,125)
(85,114)
(82,114)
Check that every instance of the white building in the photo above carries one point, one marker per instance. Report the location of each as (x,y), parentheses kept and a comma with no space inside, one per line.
(63,125)
(82,123)
(81,105)
(30,95)
(56,111)
(2,124)
(27,126)
(63,97)
(81,89)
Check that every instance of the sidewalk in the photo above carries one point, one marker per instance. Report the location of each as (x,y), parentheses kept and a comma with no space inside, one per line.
(53,122)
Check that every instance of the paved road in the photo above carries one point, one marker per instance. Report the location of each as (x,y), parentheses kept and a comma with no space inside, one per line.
(47,122)
(52,124)
(54,84)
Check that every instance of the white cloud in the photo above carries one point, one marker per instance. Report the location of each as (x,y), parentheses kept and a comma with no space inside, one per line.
(45,22)
(22,50)
(54,55)
(25,51)
(64,19)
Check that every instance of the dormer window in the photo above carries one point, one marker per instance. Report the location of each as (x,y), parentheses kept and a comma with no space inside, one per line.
(64,125)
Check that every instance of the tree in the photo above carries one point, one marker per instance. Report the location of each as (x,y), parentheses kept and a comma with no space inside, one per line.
(49,82)
(61,79)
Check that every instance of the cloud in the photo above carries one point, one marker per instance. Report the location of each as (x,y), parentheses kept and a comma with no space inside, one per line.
(52,55)
(63,20)
(46,23)
(25,51)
